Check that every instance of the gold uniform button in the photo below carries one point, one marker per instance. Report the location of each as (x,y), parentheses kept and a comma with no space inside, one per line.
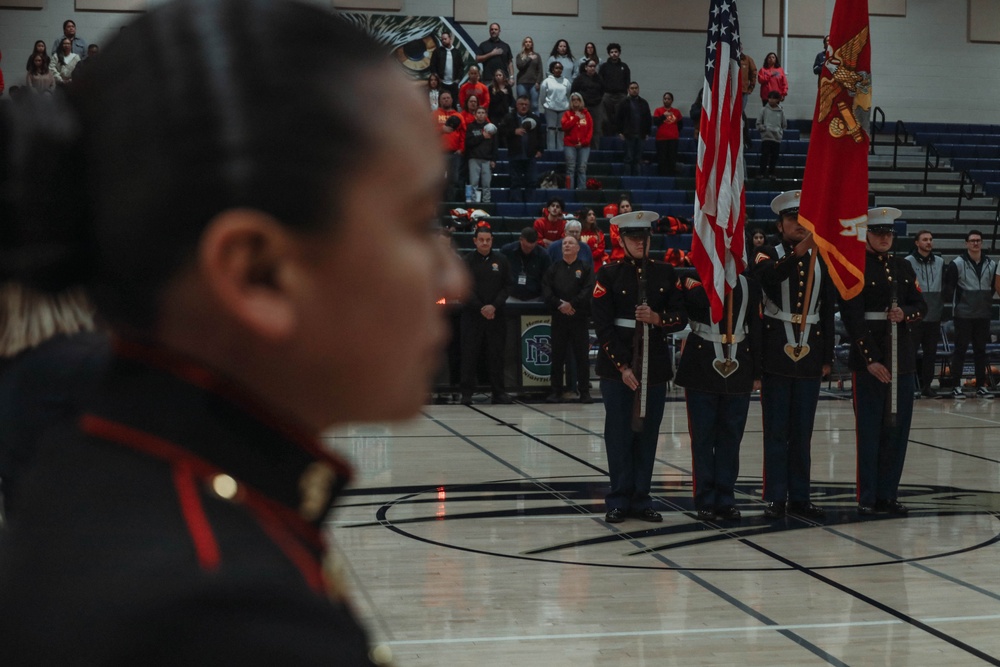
(225,486)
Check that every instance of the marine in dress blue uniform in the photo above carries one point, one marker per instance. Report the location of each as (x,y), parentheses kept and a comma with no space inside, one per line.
(869,318)
(616,311)
(793,363)
(719,369)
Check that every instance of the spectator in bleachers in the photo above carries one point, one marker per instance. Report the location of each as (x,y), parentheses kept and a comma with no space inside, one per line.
(528,264)
(589,84)
(771,124)
(617,251)
(529,72)
(40,48)
(748,77)
(578,129)
(495,54)
(616,76)
(93,51)
(567,287)
(573,229)
(551,226)
(501,98)
(452,130)
(39,78)
(772,79)
(821,59)
(481,154)
(589,53)
(757,238)
(668,122)
(469,110)
(929,269)
(474,87)
(554,98)
(433,89)
(77,44)
(447,64)
(483,326)
(64,62)
(592,235)
(695,113)
(563,54)
(633,120)
(521,132)
(969,282)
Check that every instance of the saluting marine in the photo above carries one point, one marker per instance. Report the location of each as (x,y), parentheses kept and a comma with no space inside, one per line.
(636,304)
(797,353)
(879,323)
(719,369)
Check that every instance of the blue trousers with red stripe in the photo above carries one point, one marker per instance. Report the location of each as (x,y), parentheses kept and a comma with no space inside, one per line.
(881,446)
(715,423)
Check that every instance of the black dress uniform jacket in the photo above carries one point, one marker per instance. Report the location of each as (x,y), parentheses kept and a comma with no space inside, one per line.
(772,266)
(695,370)
(176,523)
(616,296)
(870,337)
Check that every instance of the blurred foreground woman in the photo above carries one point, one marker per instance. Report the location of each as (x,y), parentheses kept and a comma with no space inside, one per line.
(218,210)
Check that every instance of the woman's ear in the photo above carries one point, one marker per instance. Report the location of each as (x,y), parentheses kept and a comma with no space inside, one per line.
(249,262)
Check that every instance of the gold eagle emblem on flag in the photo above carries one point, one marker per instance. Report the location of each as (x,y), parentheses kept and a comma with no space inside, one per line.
(842,65)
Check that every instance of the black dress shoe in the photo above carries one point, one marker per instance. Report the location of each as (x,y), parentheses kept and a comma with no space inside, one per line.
(502,399)
(866,510)
(553,398)
(728,513)
(616,515)
(881,506)
(585,397)
(775,510)
(706,515)
(806,509)
(648,514)
(466,399)
(896,507)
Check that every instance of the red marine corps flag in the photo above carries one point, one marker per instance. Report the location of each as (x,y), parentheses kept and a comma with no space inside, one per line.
(717,249)
(834,202)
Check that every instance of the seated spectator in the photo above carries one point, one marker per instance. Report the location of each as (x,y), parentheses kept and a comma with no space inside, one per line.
(64,62)
(481,154)
(523,136)
(578,129)
(551,226)
(757,238)
(39,79)
(554,98)
(573,229)
(668,122)
(592,236)
(561,53)
(567,288)
(528,263)
(474,87)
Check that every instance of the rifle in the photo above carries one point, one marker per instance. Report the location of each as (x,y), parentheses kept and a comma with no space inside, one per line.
(893,358)
(640,350)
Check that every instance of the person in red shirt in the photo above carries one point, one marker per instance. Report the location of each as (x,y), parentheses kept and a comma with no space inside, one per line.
(668,121)
(592,235)
(469,112)
(474,87)
(452,129)
(617,251)
(578,128)
(551,226)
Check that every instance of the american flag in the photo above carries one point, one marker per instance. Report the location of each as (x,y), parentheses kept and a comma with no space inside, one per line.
(717,250)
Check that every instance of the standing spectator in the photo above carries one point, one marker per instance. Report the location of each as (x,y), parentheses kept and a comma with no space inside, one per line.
(748,77)
(93,51)
(468,112)
(433,89)
(552,225)
(452,129)
(617,252)
(481,154)
(668,122)
(77,43)
(474,87)
(578,128)
(771,124)
(554,98)
(495,54)
(616,76)
(562,53)
(64,62)
(447,64)
(566,290)
(529,72)
(522,134)
(528,264)
(501,99)
(969,280)
(589,53)
(695,113)
(772,79)
(821,59)
(592,235)
(757,238)
(633,120)
(40,78)
(483,327)
(929,269)
(39,49)
(890,300)
(589,84)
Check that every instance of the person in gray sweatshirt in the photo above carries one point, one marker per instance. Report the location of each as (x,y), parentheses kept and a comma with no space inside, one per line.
(970,280)
(929,268)
(771,124)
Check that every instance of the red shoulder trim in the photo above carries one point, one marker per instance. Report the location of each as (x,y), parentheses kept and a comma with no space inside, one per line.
(599,290)
(761,257)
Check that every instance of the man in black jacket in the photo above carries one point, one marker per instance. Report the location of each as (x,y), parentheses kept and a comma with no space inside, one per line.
(566,289)
(523,135)
(528,264)
(589,84)
(482,317)
(447,63)
(634,120)
(615,75)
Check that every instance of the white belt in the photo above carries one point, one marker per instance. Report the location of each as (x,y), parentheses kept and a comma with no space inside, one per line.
(708,333)
(876,315)
(794,318)
(622,322)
